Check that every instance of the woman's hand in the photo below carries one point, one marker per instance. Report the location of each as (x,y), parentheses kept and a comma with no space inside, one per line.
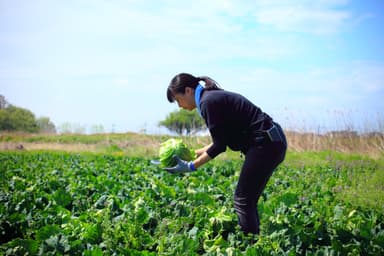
(181,166)
(200,151)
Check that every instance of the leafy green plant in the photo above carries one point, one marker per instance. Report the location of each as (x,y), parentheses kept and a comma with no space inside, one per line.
(171,148)
(88,204)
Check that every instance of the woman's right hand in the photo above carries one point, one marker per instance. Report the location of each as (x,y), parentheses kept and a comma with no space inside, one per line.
(200,151)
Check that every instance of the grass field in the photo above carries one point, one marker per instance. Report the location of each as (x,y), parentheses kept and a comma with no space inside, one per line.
(99,195)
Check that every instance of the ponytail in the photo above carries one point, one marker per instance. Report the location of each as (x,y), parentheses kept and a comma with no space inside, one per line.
(210,84)
(183,80)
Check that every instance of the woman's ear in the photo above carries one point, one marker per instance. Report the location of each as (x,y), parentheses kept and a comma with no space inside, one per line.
(189,90)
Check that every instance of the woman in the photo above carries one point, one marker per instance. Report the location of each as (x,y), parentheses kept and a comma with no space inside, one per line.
(234,122)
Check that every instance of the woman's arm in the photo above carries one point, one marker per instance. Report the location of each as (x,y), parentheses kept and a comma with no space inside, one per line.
(202,156)
(202,159)
(200,151)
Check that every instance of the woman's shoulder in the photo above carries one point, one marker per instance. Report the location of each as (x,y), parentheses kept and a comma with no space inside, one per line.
(215,94)
(219,95)
(212,96)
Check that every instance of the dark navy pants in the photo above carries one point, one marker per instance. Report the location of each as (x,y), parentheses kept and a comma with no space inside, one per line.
(259,164)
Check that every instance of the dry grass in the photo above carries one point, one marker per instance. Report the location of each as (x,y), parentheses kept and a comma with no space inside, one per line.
(47,146)
(370,144)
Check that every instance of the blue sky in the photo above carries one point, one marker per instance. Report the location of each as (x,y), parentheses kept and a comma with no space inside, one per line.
(309,64)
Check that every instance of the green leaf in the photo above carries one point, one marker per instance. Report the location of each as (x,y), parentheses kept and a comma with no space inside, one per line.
(62,198)
(47,231)
(174,147)
(58,243)
(22,247)
(93,234)
(94,252)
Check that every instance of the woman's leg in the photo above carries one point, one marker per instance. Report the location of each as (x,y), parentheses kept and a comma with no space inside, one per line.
(259,164)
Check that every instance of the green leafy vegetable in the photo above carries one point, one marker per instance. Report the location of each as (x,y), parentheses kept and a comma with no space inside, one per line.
(55,203)
(174,147)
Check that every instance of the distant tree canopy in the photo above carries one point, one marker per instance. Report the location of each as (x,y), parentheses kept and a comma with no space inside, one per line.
(3,102)
(17,119)
(45,125)
(183,122)
(14,118)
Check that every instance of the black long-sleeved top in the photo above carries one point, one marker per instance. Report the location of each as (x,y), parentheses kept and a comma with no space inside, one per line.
(231,119)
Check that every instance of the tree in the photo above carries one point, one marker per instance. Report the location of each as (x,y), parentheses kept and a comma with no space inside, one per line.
(3,102)
(183,121)
(71,128)
(17,119)
(97,128)
(45,125)
(14,118)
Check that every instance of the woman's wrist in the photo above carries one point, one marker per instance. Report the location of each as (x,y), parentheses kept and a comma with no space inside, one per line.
(191,166)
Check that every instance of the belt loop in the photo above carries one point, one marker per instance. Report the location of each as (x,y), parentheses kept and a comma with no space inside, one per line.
(274,133)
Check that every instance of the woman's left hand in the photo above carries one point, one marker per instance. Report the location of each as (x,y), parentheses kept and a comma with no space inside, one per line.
(181,166)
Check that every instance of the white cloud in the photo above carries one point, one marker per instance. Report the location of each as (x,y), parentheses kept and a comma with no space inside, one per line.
(317,17)
(120,39)
(121,82)
(351,93)
(348,85)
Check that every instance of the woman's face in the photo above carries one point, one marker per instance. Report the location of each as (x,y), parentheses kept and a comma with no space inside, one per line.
(186,100)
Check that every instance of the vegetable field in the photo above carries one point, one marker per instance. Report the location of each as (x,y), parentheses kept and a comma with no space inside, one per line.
(90,204)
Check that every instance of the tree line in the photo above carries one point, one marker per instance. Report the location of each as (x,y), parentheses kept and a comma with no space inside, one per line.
(13,118)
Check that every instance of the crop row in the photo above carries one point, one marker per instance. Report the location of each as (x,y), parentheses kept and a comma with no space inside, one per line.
(86,204)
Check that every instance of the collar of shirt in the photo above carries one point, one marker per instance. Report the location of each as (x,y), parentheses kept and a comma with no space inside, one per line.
(199,89)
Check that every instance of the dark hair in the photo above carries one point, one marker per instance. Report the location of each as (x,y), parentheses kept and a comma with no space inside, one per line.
(182,80)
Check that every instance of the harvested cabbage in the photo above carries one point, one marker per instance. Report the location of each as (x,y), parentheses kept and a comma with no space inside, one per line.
(171,148)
